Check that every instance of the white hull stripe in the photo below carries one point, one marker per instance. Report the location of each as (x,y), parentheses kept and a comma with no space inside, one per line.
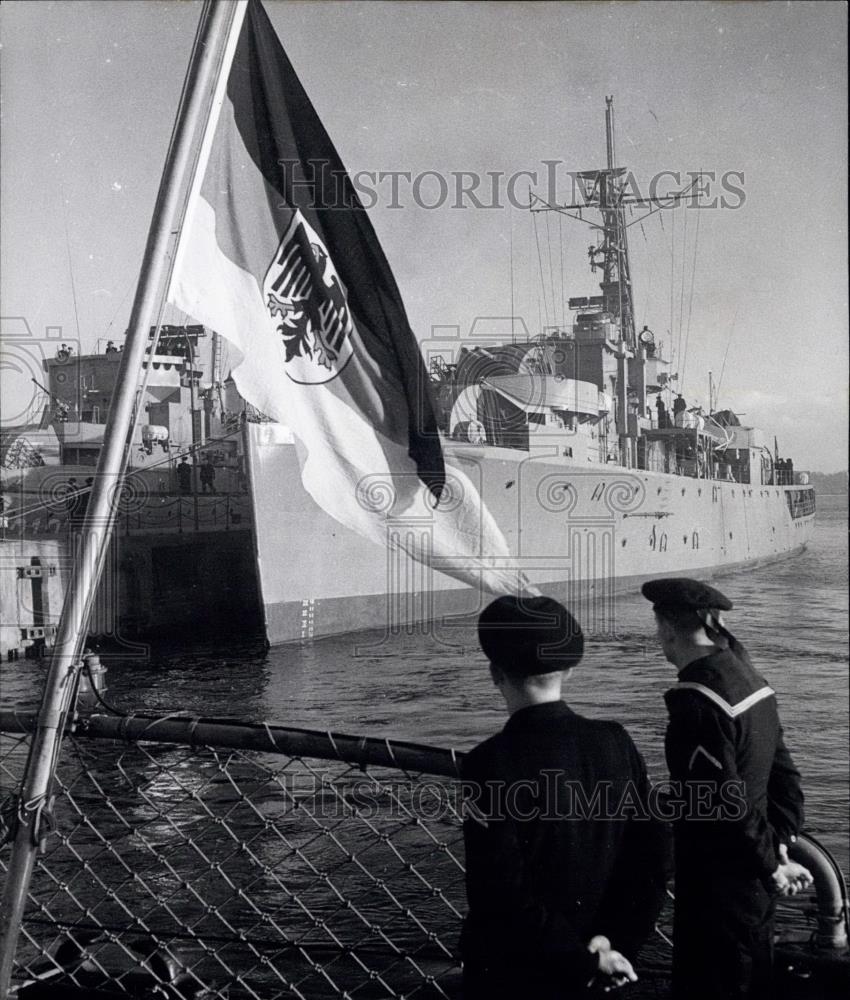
(733,711)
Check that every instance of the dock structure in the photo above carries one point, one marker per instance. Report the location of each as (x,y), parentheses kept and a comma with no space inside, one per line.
(181,553)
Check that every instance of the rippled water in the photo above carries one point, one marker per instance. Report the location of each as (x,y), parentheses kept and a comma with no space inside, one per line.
(792,616)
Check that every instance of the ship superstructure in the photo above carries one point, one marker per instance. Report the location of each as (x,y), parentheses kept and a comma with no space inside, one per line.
(599,383)
(181,560)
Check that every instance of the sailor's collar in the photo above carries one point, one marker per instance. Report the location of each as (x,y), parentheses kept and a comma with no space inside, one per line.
(716,660)
(699,665)
(723,679)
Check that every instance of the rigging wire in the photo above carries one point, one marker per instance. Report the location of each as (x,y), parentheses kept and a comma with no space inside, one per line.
(511,229)
(539,312)
(650,274)
(682,288)
(673,287)
(70,264)
(725,356)
(542,279)
(118,308)
(563,276)
(691,303)
(551,271)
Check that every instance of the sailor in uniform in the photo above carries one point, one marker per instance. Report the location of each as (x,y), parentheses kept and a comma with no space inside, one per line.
(565,866)
(741,803)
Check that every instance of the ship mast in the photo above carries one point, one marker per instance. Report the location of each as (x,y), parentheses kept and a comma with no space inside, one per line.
(616,281)
(609,192)
(606,323)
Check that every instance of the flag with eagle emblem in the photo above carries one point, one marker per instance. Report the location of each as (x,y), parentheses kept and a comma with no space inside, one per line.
(278,255)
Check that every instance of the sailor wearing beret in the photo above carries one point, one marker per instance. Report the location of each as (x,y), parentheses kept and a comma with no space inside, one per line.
(565,866)
(742,804)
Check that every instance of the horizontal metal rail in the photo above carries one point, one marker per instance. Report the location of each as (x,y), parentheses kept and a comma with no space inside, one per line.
(239,860)
(226,733)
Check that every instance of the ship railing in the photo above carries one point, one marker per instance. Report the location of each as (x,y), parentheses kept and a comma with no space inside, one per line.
(801,502)
(186,857)
(231,860)
(139,513)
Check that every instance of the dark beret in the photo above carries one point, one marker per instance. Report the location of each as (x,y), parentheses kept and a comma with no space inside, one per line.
(680,592)
(530,635)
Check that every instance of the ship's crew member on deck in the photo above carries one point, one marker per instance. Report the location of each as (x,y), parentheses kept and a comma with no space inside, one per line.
(679,409)
(741,801)
(207,476)
(662,412)
(184,476)
(565,869)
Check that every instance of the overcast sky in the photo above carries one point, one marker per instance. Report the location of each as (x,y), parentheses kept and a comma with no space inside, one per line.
(90,91)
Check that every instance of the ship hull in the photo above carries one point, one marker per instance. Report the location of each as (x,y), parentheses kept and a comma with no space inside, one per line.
(582,533)
(181,567)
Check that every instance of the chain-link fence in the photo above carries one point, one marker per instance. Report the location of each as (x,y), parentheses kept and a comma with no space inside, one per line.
(209,858)
(229,860)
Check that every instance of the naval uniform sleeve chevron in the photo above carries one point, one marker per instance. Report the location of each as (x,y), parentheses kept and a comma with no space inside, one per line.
(700,741)
(701,747)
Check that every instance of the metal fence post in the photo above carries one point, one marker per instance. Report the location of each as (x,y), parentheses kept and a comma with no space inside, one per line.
(205,64)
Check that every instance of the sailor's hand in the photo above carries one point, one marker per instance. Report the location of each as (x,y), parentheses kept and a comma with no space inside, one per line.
(614,966)
(790,877)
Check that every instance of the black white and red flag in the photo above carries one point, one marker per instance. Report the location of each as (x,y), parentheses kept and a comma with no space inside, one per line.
(278,255)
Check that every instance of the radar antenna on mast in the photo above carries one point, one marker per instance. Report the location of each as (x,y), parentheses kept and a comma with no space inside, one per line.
(605,191)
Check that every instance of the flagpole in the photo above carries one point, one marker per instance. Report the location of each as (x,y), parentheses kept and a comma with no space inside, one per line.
(206,65)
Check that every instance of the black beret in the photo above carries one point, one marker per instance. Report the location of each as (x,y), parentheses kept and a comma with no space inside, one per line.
(525,636)
(680,592)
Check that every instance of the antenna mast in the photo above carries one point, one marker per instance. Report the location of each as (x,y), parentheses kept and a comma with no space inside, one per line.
(616,281)
(609,192)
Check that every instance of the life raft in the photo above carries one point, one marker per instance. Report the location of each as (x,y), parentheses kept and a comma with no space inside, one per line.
(816,965)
